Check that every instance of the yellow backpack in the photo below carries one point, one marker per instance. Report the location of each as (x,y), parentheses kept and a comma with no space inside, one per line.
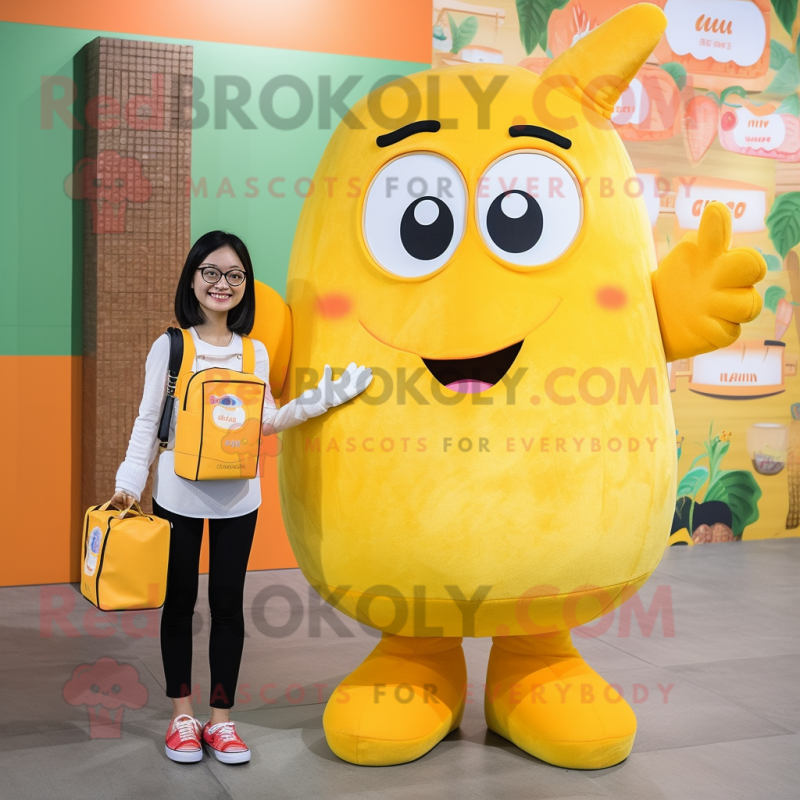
(218,427)
(124,564)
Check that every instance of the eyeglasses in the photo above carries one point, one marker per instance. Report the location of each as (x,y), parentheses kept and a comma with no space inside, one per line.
(234,277)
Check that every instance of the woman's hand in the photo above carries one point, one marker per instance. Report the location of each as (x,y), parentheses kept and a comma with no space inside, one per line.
(122,500)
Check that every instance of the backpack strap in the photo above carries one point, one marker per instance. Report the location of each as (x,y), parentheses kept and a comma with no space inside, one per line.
(248,355)
(177,361)
(189,351)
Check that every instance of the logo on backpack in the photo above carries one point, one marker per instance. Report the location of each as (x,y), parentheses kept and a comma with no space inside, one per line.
(92,551)
(227,411)
(224,406)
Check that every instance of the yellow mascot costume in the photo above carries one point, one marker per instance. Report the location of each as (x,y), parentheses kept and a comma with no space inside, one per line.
(511,470)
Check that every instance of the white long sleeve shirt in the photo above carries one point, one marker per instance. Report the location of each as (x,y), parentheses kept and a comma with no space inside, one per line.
(212,499)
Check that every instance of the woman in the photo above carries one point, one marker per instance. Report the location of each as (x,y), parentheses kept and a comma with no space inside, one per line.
(215,300)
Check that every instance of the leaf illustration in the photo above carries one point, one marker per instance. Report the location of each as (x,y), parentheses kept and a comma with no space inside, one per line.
(787,79)
(783,222)
(464,33)
(533,18)
(773,263)
(453,30)
(740,491)
(692,481)
(778,54)
(790,105)
(717,451)
(786,11)
(677,72)
(772,297)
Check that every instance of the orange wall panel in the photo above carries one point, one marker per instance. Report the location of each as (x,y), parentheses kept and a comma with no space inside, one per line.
(271,549)
(400,31)
(40,473)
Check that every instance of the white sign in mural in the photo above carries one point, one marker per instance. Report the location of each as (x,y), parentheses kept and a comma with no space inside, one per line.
(725,30)
(765,133)
(748,205)
(745,369)
(633,105)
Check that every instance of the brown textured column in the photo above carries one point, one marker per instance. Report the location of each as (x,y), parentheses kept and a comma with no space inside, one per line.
(136,234)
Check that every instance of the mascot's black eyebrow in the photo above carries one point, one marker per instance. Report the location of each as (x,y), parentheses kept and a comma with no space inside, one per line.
(422,126)
(541,133)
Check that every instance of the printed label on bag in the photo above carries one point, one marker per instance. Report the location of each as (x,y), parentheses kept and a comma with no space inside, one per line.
(227,411)
(92,551)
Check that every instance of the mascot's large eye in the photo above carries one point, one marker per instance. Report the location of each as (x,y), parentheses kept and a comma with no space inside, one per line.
(529,208)
(414,214)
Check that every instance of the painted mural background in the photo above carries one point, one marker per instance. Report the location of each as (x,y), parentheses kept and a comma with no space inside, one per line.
(714,115)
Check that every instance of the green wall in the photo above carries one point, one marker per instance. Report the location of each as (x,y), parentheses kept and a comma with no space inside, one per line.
(40,305)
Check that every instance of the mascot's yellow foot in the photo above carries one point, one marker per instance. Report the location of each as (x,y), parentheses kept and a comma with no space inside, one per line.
(542,696)
(401,702)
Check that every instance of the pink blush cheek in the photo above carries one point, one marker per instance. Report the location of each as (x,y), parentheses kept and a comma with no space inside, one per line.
(611,297)
(334,305)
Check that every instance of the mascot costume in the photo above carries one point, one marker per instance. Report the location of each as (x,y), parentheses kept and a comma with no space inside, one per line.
(511,471)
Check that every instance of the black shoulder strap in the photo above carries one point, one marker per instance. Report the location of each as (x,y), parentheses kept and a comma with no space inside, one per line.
(175,350)
(175,358)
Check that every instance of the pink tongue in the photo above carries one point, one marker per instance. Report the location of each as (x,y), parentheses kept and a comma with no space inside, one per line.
(469,386)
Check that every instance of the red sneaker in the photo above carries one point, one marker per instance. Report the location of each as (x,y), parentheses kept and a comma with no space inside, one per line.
(225,743)
(183,739)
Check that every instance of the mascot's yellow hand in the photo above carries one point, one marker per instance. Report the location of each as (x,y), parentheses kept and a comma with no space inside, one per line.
(704,291)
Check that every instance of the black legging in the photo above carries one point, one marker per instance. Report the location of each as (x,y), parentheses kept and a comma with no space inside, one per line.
(229,549)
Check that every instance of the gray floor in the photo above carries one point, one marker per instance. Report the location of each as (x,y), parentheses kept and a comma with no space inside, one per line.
(730,726)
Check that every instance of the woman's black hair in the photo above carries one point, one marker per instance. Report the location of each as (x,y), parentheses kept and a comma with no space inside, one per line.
(188,310)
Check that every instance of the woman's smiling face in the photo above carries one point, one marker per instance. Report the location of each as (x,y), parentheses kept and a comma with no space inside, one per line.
(220,296)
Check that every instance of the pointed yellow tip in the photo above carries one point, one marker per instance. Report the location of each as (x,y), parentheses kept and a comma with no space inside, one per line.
(597,69)
(652,19)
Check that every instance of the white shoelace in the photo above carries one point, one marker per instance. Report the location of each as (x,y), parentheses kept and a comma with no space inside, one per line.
(186,727)
(226,731)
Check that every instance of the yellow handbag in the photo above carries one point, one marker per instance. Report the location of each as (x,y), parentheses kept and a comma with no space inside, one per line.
(125,556)
(218,427)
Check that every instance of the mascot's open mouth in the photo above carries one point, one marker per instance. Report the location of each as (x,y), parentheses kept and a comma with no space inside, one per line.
(472,375)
